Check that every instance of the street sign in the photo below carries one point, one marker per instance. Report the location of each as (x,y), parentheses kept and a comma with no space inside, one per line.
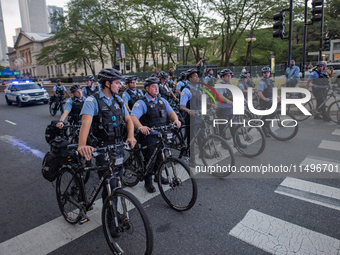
(8,72)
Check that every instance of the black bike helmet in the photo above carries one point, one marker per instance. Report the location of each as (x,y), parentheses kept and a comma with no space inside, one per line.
(182,76)
(265,69)
(150,80)
(89,78)
(74,87)
(190,72)
(153,75)
(320,63)
(243,76)
(58,80)
(163,74)
(130,79)
(109,74)
(225,71)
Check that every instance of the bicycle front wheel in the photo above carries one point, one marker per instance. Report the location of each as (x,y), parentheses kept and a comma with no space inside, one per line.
(298,114)
(52,110)
(249,141)
(217,153)
(283,127)
(126,226)
(181,190)
(69,196)
(333,110)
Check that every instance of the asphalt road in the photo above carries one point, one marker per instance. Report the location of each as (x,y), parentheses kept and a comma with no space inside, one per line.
(28,202)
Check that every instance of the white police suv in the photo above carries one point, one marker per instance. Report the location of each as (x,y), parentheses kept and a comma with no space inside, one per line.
(25,93)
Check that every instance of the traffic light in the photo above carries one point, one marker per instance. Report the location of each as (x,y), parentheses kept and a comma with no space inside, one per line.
(326,43)
(279,25)
(316,9)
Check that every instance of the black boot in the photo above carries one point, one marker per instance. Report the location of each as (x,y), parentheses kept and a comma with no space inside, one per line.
(148,184)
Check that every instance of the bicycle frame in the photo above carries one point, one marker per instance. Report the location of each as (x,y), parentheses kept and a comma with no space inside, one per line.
(328,96)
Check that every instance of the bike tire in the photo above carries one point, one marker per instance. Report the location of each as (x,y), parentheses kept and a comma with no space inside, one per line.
(281,132)
(51,109)
(298,115)
(68,195)
(333,110)
(222,154)
(181,191)
(131,166)
(249,141)
(133,235)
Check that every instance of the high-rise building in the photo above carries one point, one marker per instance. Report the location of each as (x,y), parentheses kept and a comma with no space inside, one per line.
(54,11)
(3,45)
(34,16)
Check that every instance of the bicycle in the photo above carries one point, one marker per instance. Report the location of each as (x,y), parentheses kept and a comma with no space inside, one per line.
(216,149)
(181,191)
(332,109)
(54,107)
(248,139)
(126,226)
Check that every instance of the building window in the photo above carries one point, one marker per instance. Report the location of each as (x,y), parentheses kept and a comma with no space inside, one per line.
(48,70)
(336,46)
(127,66)
(75,68)
(65,71)
(52,70)
(69,68)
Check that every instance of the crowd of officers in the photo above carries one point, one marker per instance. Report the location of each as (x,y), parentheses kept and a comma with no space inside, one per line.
(111,113)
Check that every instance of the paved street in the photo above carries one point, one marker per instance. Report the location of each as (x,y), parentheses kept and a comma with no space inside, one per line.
(287,213)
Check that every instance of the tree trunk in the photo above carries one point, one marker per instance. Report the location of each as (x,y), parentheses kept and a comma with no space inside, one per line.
(247,55)
(145,54)
(162,56)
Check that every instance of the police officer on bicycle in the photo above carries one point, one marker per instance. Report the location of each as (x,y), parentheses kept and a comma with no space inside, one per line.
(105,113)
(210,79)
(181,83)
(131,95)
(90,88)
(320,81)
(164,89)
(152,111)
(265,92)
(58,92)
(73,106)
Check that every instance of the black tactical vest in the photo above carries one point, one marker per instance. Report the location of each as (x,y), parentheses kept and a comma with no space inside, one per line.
(59,91)
(156,114)
(89,92)
(195,101)
(76,109)
(322,80)
(108,125)
(134,97)
(163,91)
(268,92)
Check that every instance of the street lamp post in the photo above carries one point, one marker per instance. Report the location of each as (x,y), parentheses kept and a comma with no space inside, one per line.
(250,38)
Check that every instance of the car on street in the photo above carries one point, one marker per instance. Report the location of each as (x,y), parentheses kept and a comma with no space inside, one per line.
(45,81)
(23,93)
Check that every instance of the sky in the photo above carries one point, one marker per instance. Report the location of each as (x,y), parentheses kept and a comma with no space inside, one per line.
(11,16)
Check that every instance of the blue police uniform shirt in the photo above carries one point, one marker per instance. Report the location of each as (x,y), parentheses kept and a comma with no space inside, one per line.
(241,86)
(84,90)
(222,91)
(126,96)
(315,75)
(56,87)
(140,108)
(69,103)
(186,94)
(90,106)
(208,78)
(180,84)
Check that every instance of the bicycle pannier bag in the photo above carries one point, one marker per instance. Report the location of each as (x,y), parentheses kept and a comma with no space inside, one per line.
(50,167)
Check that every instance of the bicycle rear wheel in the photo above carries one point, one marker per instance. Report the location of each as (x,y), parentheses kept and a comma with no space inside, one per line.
(298,114)
(181,191)
(283,127)
(126,226)
(218,153)
(131,165)
(249,141)
(333,110)
(52,109)
(69,195)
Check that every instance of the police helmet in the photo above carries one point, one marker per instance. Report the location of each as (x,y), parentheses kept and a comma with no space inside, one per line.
(130,79)
(163,74)
(58,80)
(243,76)
(190,72)
(153,75)
(320,63)
(109,74)
(74,87)
(89,78)
(182,75)
(265,69)
(150,80)
(225,71)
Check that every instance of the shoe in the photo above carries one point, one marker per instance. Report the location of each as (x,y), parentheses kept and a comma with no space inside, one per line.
(318,117)
(326,119)
(163,180)
(149,187)
(112,227)
(206,155)
(224,146)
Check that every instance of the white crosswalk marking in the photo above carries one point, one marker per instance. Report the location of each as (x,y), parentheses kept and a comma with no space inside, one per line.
(281,237)
(330,145)
(336,132)
(311,192)
(309,160)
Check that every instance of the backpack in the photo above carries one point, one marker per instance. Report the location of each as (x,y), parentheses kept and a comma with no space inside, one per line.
(52,131)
